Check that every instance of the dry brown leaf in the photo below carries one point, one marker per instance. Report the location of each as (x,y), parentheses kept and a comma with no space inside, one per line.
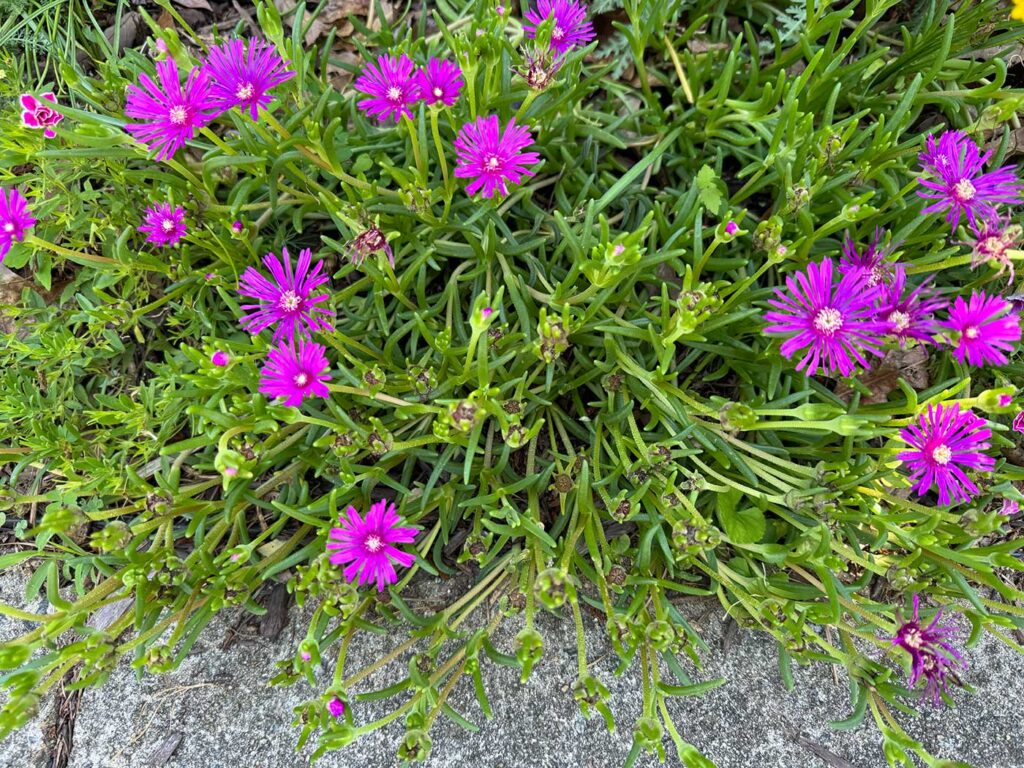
(910,364)
(199,5)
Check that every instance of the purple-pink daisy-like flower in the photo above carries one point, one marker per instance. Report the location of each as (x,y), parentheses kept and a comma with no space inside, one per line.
(392,88)
(242,75)
(366,546)
(286,299)
(170,114)
(1018,423)
(959,186)
(15,219)
(943,441)
(295,373)
(836,324)
(909,315)
(932,657)
(872,263)
(993,240)
(164,225)
(336,707)
(491,158)
(37,113)
(988,327)
(440,81)
(570,26)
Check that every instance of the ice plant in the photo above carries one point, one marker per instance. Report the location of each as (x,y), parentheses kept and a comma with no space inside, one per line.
(336,707)
(959,186)
(391,87)
(366,546)
(440,81)
(835,324)
(1009,507)
(37,113)
(1018,423)
(170,114)
(241,75)
(570,27)
(164,225)
(988,326)
(943,441)
(994,238)
(731,227)
(14,219)
(872,263)
(932,657)
(491,158)
(367,242)
(295,372)
(285,300)
(909,314)
(220,358)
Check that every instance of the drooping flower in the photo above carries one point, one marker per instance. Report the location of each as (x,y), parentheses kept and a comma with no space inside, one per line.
(932,657)
(242,75)
(960,187)
(988,327)
(440,81)
(909,315)
(170,114)
(570,25)
(836,324)
(872,263)
(366,548)
(993,240)
(286,299)
(391,85)
(336,707)
(943,442)
(367,242)
(491,158)
(164,225)
(220,358)
(39,114)
(15,218)
(295,373)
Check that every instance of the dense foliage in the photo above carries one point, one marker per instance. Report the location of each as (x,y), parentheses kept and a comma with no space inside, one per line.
(566,388)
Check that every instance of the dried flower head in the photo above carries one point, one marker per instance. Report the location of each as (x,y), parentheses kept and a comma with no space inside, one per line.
(491,158)
(932,658)
(242,74)
(570,25)
(994,237)
(15,219)
(38,113)
(988,326)
(164,225)
(539,68)
(286,299)
(295,372)
(366,546)
(391,87)
(170,114)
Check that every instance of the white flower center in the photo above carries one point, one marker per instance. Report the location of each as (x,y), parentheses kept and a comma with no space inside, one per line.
(373,543)
(971,332)
(289,301)
(301,379)
(964,190)
(167,225)
(992,246)
(942,454)
(395,93)
(913,638)
(900,321)
(178,115)
(828,320)
(438,93)
(492,163)
(8,227)
(245,91)
(557,33)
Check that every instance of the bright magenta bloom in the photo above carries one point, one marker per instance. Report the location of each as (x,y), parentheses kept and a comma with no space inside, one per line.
(164,225)
(14,219)
(440,81)
(170,114)
(295,373)
(491,158)
(872,262)
(570,29)
(242,76)
(942,441)
(391,86)
(285,300)
(988,327)
(366,545)
(932,658)
(336,707)
(1018,423)
(39,114)
(909,314)
(837,325)
(220,358)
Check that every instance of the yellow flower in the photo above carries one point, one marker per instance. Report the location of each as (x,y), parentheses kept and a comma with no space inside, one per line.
(1018,10)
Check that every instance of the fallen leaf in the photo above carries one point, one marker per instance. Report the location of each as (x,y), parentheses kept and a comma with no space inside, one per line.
(200,5)
(910,364)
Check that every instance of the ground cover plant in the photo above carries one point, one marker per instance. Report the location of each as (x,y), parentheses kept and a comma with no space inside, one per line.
(602,306)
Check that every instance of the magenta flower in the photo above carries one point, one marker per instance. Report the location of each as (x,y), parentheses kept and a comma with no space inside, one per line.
(942,441)
(366,545)
(392,88)
(440,81)
(285,299)
(491,158)
(1009,508)
(170,114)
(988,327)
(336,707)
(960,186)
(164,225)
(871,263)
(242,76)
(295,373)
(837,325)
(1018,423)
(220,358)
(931,655)
(731,228)
(39,114)
(909,315)
(993,240)
(570,27)
(15,218)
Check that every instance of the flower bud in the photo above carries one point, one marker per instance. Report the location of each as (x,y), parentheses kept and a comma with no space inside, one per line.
(529,649)
(553,587)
